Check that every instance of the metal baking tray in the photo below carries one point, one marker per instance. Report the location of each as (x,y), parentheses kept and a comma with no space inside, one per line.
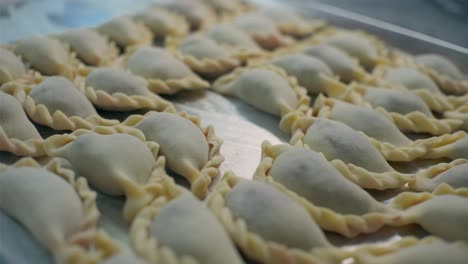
(242,127)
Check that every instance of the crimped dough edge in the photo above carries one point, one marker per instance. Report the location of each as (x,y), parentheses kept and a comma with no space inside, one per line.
(76,247)
(200,179)
(137,195)
(301,93)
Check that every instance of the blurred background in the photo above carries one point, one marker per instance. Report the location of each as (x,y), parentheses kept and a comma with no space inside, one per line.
(442,19)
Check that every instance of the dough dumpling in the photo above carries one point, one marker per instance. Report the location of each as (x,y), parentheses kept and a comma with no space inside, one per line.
(162,22)
(309,71)
(11,67)
(290,22)
(273,216)
(255,23)
(60,94)
(260,28)
(452,150)
(14,121)
(207,243)
(195,12)
(43,202)
(402,102)
(356,46)
(123,30)
(116,81)
(181,142)
(459,149)
(202,47)
(281,16)
(48,56)
(411,79)
(115,164)
(231,36)
(225,6)
(444,216)
(336,140)
(308,174)
(373,123)
(440,64)
(103,159)
(90,47)
(157,63)
(433,253)
(338,61)
(461,114)
(263,89)
(456,177)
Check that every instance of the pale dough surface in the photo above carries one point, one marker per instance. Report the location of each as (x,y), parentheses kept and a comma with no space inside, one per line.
(372,123)
(181,142)
(444,216)
(11,67)
(339,141)
(46,55)
(230,35)
(14,121)
(273,216)
(337,60)
(89,45)
(440,64)
(186,226)
(202,47)
(103,159)
(308,174)
(308,70)
(457,177)
(411,79)
(25,194)
(116,81)
(255,23)
(402,102)
(157,63)
(356,46)
(59,94)
(263,89)
(122,30)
